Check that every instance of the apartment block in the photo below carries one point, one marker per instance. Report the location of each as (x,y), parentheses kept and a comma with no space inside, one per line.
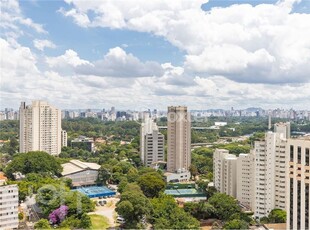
(269,168)
(297,183)
(224,172)
(152,142)
(245,175)
(8,207)
(40,128)
(179,139)
(154,148)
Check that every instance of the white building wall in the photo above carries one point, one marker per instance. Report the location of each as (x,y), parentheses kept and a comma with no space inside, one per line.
(224,172)
(218,157)
(245,175)
(269,168)
(8,207)
(40,128)
(151,142)
(229,175)
(154,148)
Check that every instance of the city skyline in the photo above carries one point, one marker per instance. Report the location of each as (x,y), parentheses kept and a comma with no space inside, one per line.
(202,54)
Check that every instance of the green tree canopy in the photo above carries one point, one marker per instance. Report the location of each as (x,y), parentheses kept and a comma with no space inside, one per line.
(225,205)
(34,162)
(200,210)
(167,215)
(236,224)
(277,216)
(103,175)
(42,224)
(133,207)
(151,184)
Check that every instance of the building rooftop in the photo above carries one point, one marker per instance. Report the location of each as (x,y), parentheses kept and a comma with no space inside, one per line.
(2,176)
(75,166)
(83,139)
(281,226)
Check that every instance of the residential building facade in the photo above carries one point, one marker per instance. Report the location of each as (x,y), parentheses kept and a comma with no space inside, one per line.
(269,168)
(297,183)
(9,207)
(224,172)
(152,143)
(179,139)
(245,175)
(40,128)
(154,148)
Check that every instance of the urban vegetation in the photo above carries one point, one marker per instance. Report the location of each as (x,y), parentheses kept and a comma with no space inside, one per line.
(142,200)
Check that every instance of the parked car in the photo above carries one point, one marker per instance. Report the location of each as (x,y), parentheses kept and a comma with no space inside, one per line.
(120,220)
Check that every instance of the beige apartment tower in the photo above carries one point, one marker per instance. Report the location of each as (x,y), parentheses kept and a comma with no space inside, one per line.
(40,128)
(179,139)
(297,183)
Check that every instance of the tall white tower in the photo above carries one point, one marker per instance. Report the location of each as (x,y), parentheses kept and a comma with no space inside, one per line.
(40,128)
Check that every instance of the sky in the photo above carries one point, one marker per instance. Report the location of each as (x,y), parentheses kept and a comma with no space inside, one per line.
(138,54)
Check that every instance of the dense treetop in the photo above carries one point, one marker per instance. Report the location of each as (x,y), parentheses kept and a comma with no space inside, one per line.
(33,162)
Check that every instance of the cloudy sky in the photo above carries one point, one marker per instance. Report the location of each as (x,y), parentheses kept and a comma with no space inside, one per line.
(135,54)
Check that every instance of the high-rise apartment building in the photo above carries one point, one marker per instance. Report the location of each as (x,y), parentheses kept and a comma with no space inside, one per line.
(297,183)
(152,142)
(179,139)
(40,128)
(245,175)
(224,172)
(8,207)
(269,168)
(234,175)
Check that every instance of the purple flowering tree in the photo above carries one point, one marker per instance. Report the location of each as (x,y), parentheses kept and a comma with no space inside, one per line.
(58,215)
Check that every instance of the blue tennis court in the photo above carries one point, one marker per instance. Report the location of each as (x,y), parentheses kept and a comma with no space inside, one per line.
(96,191)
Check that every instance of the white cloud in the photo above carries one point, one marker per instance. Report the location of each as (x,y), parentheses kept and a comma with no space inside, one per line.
(79,18)
(68,61)
(118,63)
(262,43)
(42,44)
(227,49)
(12,17)
(22,80)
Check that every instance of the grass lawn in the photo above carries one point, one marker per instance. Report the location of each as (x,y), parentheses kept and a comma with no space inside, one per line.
(99,222)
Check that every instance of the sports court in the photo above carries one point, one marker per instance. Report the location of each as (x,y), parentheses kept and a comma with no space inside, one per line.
(96,191)
(183,192)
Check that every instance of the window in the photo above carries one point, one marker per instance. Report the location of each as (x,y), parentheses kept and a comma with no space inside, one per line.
(291,153)
(299,154)
(307,156)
